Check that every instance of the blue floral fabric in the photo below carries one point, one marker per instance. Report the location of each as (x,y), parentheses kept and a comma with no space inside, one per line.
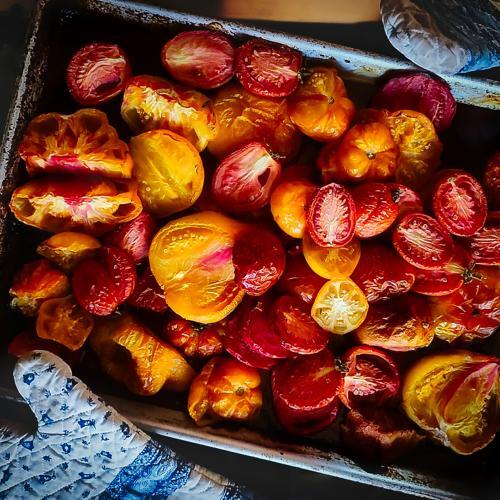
(85,449)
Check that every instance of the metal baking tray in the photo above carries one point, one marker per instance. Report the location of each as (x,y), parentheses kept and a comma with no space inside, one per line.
(59,27)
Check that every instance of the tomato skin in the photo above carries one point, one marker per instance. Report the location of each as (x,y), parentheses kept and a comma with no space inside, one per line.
(484,246)
(406,198)
(259,260)
(148,294)
(459,203)
(97,73)
(268,69)
(201,58)
(381,273)
(422,241)
(332,203)
(375,209)
(243,180)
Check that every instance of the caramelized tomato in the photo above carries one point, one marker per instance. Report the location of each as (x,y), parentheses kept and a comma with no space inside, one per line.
(148,294)
(491,180)
(484,246)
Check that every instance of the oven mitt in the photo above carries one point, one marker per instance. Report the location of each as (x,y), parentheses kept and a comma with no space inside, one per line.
(445,36)
(83,448)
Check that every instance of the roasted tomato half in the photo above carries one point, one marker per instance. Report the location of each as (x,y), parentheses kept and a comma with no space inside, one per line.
(370,376)
(87,204)
(148,294)
(243,180)
(130,354)
(96,73)
(320,107)
(401,324)
(67,249)
(151,103)
(454,396)
(381,273)
(165,188)
(63,320)
(268,69)
(202,59)
(375,209)
(226,389)
(244,117)
(36,282)
(491,180)
(81,143)
(405,198)
(191,258)
(484,246)
(194,339)
(103,282)
(459,202)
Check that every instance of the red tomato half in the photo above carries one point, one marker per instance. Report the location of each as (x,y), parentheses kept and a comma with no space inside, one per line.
(332,216)
(370,376)
(406,199)
(243,180)
(422,241)
(459,203)
(201,59)
(97,73)
(268,69)
(485,244)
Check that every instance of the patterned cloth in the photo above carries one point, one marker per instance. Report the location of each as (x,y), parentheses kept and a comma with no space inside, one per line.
(85,449)
(445,36)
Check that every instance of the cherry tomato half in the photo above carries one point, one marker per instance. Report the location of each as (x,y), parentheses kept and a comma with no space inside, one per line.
(484,246)
(405,198)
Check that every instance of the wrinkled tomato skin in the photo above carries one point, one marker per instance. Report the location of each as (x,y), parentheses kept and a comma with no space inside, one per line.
(36,282)
(202,59)
(459,203)
(422,241)
(375,209)
(102,283)
(491,181)
(148,294)
(320,108)
(484,246)
(97,73)
(299,333)
(381,273)
(268,69)
(243,181)
(401,324)
(259,261)
(405,198)
(332,203)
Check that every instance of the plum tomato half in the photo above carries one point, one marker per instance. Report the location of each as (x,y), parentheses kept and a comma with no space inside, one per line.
(405,198)
(194,339)
(340,306)
(66,249)
(329,263)
(421,92)
(422,241)
(370,376)
(103,282)
(268,69)
(165,188)
(63,320)
(320,107)
(484,246)
(259,260)
(87,204)
(300,280)
(243,180)
(459,202)
(192,260)
(227,389)
(134,236)
(491,180)
(298,332)
(381,273)
(331,218)
(401,324)
(130,354)
(454,397)
(289,204)
(96,73)
(36,282)
(202,59)
(244,117)
(375,209)
(83,143)
(148,294)
(151,103)
(306,383)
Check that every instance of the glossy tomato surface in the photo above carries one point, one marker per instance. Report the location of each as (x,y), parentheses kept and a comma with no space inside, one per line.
(484,246)
(148,294)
